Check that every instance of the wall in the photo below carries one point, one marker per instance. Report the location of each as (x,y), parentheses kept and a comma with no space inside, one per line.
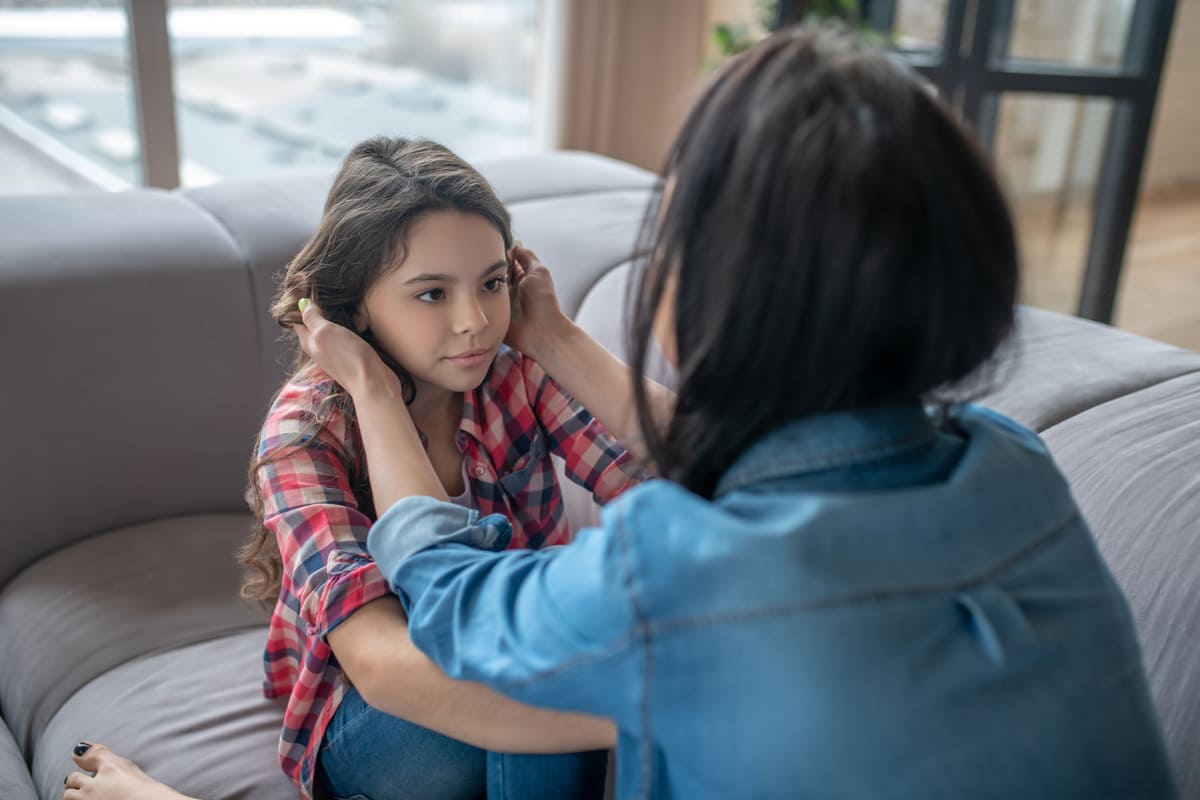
(1174,155)
(633,69)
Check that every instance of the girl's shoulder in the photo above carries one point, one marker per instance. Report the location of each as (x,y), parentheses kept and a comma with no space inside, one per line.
(304,410)
(304,392)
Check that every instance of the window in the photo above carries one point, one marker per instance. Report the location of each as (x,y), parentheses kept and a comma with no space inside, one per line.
(65,98)
(260,89)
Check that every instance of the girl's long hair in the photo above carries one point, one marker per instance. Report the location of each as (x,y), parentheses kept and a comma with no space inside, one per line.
(384,186)
(834,240)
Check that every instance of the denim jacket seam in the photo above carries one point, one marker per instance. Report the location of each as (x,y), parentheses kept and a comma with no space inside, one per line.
(644,631)
(827,460)
(613,649)
(850,598)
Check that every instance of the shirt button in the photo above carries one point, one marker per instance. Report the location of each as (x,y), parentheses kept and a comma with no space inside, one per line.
(480,471)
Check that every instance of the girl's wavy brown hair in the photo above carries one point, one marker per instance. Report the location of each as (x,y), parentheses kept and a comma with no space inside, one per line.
(384,186)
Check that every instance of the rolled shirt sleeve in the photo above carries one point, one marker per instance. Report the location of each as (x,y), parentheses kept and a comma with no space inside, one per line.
(555,628)
(591,456)
(309,506)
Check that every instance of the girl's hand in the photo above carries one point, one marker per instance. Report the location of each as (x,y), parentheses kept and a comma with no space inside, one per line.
(342,353)
(536,316)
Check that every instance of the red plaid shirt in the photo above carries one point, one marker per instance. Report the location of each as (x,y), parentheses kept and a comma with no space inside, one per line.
(511,424)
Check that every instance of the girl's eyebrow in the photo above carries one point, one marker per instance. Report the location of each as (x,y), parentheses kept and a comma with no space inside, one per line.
(438,277)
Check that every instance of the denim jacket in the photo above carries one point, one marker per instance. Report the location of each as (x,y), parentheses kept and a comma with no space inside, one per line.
(871,606)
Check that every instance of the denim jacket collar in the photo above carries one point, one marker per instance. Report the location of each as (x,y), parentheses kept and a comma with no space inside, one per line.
(827,441)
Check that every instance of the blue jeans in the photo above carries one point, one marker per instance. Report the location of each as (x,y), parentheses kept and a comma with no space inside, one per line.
(369,755)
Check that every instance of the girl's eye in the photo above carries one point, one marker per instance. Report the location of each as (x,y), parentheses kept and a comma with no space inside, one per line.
(432,296)
(495,284)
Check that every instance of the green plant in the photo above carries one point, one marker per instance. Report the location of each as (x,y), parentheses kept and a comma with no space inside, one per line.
(732,38)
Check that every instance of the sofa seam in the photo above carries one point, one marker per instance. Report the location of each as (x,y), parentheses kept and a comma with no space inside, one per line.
(1114,398)
(247,270)
(584,193)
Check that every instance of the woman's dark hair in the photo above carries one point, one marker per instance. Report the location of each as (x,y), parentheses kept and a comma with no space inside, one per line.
(834,239)
(383,187)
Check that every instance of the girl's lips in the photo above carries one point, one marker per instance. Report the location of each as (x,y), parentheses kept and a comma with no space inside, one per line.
(470,359)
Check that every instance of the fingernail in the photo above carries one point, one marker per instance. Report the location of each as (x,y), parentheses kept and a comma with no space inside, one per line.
(303,304)
(65,780)
(82,748)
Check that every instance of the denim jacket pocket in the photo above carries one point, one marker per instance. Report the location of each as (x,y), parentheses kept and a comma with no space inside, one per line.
(515,479)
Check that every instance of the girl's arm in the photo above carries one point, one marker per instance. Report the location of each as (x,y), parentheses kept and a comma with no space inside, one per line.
(597,379)
(374,649)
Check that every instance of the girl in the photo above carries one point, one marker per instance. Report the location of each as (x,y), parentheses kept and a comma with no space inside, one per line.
(413,252)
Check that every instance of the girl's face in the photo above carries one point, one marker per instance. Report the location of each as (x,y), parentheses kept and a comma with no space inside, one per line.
(444,312)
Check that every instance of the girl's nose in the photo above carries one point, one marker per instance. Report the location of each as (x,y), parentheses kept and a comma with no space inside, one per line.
(470,318)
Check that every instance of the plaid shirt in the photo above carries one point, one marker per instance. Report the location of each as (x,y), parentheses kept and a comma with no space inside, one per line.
(511,424)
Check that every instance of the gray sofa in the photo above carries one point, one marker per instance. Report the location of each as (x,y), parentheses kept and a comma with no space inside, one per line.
(138,361)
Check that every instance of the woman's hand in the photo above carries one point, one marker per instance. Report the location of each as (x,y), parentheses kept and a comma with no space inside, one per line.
(537,318)
(342,353)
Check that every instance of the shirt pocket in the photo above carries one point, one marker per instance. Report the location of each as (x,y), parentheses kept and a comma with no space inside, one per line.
(517,478)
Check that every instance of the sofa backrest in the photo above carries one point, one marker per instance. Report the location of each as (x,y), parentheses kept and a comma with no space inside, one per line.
(130,392)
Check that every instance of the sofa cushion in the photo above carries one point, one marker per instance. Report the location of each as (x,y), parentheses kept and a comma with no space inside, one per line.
(1058,366)
(96,604)
(1134,466)
(128,379)
(581,237)
(15,783)
(193,717)
(600,315)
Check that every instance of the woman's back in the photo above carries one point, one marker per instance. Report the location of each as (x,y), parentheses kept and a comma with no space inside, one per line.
(872,608)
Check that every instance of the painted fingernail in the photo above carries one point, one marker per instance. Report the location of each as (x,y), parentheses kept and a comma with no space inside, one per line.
(82,748)
(65,780)
(303,304)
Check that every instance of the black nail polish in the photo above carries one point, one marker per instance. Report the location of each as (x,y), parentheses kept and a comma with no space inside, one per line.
(82,748)
(65,780)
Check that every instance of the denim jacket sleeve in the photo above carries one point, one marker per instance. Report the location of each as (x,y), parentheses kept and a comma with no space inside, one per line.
(554,627)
